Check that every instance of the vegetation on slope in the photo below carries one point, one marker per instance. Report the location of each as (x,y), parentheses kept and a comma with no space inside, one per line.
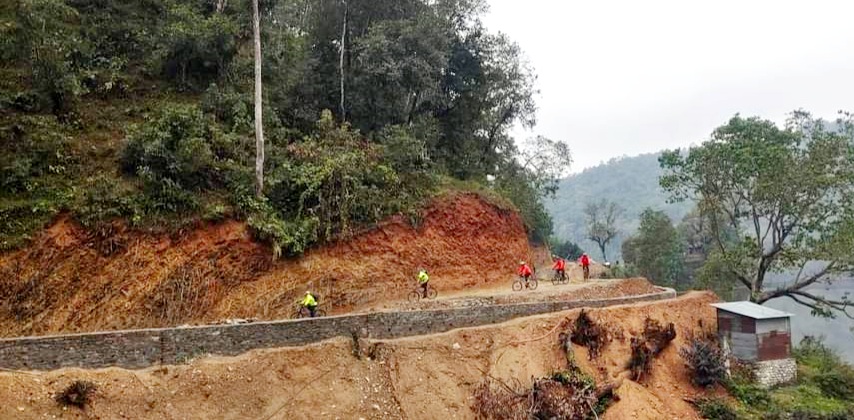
(141,111)
(824,390)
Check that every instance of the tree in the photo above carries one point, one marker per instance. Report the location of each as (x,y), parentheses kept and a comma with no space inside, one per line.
(548,161)
(259,121)
(343,48)
(656,249)
(602,219)
(788,192)
(698,231)
(527,177)
(565,249)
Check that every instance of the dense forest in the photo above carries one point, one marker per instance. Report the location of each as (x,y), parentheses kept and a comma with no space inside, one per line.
(141,111)
(630,182)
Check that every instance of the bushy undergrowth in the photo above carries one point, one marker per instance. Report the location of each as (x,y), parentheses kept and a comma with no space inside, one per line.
(95,121)
(822,367)
(715,409)
(705,361)
(77,394)
(822,390)
(37,164)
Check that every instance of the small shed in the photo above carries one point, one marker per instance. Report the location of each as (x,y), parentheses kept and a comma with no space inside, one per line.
(760,336)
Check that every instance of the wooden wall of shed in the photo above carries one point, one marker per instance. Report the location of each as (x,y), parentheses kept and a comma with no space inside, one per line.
(728,321)
(774,345)
(781,325)
(742,345)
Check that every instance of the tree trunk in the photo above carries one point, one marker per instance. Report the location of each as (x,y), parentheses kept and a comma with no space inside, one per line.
(341,61)
(259,122)
(602,248)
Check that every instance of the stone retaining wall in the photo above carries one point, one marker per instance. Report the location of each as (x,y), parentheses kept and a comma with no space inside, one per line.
(771,373)
(143,348)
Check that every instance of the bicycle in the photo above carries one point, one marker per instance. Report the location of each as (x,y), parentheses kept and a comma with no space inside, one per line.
(559,277)
(418,293)
(303,312)
(520,283)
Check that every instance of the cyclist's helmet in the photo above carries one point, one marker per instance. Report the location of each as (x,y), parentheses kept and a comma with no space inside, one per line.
(521,262)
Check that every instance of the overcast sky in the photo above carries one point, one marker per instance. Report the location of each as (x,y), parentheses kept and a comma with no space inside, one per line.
(628,77)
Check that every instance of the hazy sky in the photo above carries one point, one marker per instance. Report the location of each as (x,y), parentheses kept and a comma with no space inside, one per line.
(628,77)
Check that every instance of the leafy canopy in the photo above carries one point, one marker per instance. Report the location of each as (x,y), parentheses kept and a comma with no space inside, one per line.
(789,192)
(602,223)
(656,249)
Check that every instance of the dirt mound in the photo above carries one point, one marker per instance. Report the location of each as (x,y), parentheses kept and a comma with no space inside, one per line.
(415,378)
(73,280)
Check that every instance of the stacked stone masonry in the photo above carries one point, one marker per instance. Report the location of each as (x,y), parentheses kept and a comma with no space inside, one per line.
(771,373)
(143,348)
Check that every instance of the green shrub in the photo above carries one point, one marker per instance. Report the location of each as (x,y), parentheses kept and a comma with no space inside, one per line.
(195,49)
(179,153)
(339,182)
(230,106)
(745,390)
(809,400)
(290,237)
(822,367)
(48,40)
(30,148)
(706,362)
(104,199)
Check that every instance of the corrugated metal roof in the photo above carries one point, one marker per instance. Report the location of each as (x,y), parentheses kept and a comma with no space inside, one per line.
(751,310)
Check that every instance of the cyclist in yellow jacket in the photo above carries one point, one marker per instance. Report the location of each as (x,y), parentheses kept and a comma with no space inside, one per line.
(310,303)
(423,281)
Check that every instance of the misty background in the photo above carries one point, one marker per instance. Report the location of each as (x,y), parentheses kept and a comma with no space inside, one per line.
(622,80)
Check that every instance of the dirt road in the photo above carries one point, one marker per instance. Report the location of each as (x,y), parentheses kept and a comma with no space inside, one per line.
(504,294)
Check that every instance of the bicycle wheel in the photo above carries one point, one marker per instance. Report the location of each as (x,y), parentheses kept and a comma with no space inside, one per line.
(319,313)
(532,284)
(432,293)
(556,279)
(414,296)
(517,285)
(300,313)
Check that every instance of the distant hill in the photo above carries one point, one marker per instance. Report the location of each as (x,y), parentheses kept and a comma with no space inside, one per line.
(631,182)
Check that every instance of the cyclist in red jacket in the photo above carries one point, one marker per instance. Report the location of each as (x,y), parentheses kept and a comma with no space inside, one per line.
(525,271)
(585,265)
(559,266)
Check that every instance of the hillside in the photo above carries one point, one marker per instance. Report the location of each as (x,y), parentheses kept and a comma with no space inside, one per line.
(414,378)
(631,182)
(72,280)
(142,113)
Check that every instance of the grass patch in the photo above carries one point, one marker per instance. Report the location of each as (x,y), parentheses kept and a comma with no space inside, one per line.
(716,409)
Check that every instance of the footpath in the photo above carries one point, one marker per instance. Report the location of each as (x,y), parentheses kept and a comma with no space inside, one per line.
(168,346)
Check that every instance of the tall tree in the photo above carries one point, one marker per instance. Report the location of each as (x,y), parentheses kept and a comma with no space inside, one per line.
(343,47)
(602,219)
(548,161)
(656,249)
(790,194)
(259,121)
